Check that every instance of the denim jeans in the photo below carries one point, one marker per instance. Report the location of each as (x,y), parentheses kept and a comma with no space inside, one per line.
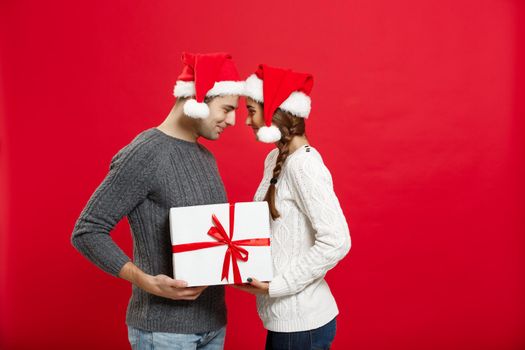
(314,339)
(144,340)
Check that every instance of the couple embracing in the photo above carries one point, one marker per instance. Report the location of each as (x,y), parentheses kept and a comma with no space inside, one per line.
(165,166)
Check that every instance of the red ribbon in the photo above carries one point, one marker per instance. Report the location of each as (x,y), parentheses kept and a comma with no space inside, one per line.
(234,252)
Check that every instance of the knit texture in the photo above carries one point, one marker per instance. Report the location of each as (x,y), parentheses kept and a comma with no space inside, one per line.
(146,178)
(308,239)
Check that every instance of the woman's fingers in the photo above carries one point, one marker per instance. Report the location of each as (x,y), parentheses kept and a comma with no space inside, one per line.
(258,284)
(245,288)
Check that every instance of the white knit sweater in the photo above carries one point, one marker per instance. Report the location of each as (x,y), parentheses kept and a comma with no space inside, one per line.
(307,240)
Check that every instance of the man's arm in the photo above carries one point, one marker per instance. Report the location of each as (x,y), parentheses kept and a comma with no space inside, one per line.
(126,185)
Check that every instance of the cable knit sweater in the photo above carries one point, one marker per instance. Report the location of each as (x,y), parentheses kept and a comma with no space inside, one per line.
(152,174)
(308,239)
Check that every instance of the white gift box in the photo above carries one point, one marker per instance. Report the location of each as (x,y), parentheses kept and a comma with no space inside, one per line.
(201,249)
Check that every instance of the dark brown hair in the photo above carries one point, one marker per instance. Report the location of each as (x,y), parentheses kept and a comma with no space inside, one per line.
(207,99)
(290,126)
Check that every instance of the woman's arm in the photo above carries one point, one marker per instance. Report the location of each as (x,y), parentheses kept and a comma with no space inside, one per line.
(312,188)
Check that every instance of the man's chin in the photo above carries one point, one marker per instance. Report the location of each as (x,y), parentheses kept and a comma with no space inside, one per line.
(212,137)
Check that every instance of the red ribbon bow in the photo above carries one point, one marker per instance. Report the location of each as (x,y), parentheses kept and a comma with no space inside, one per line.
(234,252)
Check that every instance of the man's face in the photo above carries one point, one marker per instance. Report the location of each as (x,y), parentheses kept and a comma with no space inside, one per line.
(222,115)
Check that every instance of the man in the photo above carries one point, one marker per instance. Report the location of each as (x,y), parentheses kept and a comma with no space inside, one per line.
(166,167)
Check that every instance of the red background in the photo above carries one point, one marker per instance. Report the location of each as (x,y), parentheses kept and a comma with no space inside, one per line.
(418,112)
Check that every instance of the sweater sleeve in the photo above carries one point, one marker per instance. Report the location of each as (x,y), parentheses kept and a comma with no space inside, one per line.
(312,189)
(125,186)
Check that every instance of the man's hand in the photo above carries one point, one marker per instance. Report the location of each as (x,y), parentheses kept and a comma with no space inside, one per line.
(253,286)
(167,287)
(160,285)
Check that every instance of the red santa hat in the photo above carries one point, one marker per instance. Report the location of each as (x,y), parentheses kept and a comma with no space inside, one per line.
(279,88)
(205,75)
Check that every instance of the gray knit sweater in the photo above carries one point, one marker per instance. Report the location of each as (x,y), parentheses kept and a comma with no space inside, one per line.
(146,178)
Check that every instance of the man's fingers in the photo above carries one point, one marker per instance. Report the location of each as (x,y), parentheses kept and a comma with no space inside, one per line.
(178,283)
(168,287)
(201,288)
(190,292)
(187,295)
(183,294)
(196,289)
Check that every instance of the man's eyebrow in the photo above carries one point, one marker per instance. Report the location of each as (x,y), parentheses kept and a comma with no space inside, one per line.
(229,106)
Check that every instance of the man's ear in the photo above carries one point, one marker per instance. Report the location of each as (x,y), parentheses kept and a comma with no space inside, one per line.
(208,99)
(180,100)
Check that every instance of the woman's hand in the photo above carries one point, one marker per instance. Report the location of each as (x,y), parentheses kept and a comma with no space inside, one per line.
(254,286)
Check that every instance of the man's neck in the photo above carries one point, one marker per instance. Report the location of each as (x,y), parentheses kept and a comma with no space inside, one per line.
(178,125)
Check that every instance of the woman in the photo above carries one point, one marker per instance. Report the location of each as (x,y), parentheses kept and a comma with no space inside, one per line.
(308,229)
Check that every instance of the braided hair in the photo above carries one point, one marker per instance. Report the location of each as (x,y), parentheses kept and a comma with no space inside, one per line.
(290,126)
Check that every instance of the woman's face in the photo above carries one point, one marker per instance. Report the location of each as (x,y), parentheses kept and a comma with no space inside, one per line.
(255,117)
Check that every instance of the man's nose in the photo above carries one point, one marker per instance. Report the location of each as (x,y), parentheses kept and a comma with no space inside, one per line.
(248,121)
(230,118)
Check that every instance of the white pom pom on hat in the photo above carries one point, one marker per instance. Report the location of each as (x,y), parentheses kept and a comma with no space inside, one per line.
(206,75)
(195,109)
(269,134)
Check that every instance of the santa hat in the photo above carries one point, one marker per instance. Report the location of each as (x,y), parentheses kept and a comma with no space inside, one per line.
(205,75)
(279,88)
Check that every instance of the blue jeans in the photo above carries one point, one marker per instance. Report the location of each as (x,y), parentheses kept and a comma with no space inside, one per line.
(144,340)
(315,339)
